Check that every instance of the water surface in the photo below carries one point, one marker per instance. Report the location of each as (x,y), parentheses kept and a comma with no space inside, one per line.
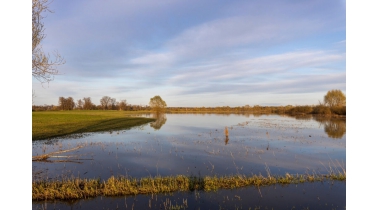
(195,144)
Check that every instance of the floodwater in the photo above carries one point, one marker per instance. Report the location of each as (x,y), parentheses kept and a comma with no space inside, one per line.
(195,144)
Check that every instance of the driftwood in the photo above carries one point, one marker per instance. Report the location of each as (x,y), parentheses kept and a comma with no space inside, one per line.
(69,158)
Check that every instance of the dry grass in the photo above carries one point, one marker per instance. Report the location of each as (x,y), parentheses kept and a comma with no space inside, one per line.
(76,188)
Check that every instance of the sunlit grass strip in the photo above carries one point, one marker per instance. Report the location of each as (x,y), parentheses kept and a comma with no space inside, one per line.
(52,124)
(75,188)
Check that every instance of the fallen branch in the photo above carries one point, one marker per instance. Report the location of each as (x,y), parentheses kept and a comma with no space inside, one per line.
(46,156)
(59,161)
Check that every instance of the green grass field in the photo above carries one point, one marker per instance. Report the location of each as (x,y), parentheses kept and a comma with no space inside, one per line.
(49,124)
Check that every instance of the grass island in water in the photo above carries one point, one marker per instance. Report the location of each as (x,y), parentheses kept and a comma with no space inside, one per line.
(76,188)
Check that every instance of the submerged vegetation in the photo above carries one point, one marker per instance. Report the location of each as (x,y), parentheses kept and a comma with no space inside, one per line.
(61,123)
(76,188)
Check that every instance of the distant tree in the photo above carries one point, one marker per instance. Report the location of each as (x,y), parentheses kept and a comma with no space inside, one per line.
(87,104)
(112,104)
(80,104)
(107,102)
(70,103)
(61,103)
(104,102)
(123,105)
(157,104)
(66,103)
(43,68)
(335,98)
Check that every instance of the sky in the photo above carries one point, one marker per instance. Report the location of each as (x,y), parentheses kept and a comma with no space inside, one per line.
(196,53)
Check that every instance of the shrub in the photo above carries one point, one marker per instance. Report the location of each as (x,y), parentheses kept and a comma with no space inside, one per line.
(339,110)
(320,109)
(301,110)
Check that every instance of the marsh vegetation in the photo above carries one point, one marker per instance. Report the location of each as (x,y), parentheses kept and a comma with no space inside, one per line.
(76,188)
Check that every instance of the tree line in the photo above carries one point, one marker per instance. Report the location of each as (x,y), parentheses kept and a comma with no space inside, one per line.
(257,109)
(334,103)
(106,103)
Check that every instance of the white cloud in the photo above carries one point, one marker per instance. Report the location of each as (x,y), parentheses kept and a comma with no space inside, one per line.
(240,31)
(273,65)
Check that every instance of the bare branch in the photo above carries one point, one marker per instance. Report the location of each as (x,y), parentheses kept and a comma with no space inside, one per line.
(43,68)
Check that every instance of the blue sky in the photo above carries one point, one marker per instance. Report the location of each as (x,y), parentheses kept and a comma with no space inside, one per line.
(197,53)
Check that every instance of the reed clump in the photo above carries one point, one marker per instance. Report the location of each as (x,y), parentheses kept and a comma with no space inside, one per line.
(76,188)
(226,131)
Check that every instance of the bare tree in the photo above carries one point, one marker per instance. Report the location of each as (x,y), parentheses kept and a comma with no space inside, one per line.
(61,103)
(43,68)
(70,103)
(112,104)
(107,102)
(80,104)
(123,105)
(66,103)
(87,103)
(104,102)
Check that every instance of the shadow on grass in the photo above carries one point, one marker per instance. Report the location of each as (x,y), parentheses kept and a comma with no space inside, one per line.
(99,126)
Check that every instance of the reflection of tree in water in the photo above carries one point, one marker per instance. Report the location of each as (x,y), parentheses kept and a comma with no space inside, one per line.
(226,140)
(303,117)
(160,121)
(335,128)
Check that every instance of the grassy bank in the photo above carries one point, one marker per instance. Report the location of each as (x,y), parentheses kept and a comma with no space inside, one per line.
(51,124)
(76,188)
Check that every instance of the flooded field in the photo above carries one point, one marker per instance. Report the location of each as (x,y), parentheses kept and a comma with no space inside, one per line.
(196,144)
